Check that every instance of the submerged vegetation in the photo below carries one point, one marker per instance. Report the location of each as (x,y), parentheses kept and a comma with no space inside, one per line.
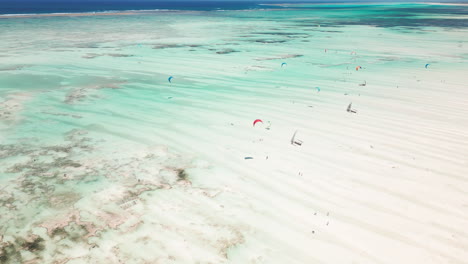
(10,252)
(182,175)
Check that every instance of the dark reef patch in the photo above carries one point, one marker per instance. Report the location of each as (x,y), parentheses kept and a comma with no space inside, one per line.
(10,252)
(13,68)
(171,46)
(288,56)
(269,41)
(95,55)
(281,33)
(36,244)
(59,232)
(226,51)
(182,175)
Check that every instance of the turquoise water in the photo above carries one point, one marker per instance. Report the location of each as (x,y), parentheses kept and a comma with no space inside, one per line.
(90,125)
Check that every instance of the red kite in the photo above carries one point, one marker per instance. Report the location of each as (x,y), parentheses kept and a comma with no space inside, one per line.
(256,121)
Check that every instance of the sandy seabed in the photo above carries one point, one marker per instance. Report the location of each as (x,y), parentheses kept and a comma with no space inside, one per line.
(103,160)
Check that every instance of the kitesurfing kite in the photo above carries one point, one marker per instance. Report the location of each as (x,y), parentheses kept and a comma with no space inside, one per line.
(282,64)
(318,89)
(169,79)
(358,68)
(295,141)
(427,65)
(256,121)
(349,109)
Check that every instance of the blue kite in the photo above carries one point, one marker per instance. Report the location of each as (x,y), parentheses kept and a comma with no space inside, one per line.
(427,65)
(284,63)
(169,79)
(318,89)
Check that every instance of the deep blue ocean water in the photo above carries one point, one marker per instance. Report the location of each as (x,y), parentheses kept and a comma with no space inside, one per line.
(380,15)
(73,6)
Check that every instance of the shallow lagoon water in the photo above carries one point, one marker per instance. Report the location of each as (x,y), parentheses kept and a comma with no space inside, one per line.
(104,161)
